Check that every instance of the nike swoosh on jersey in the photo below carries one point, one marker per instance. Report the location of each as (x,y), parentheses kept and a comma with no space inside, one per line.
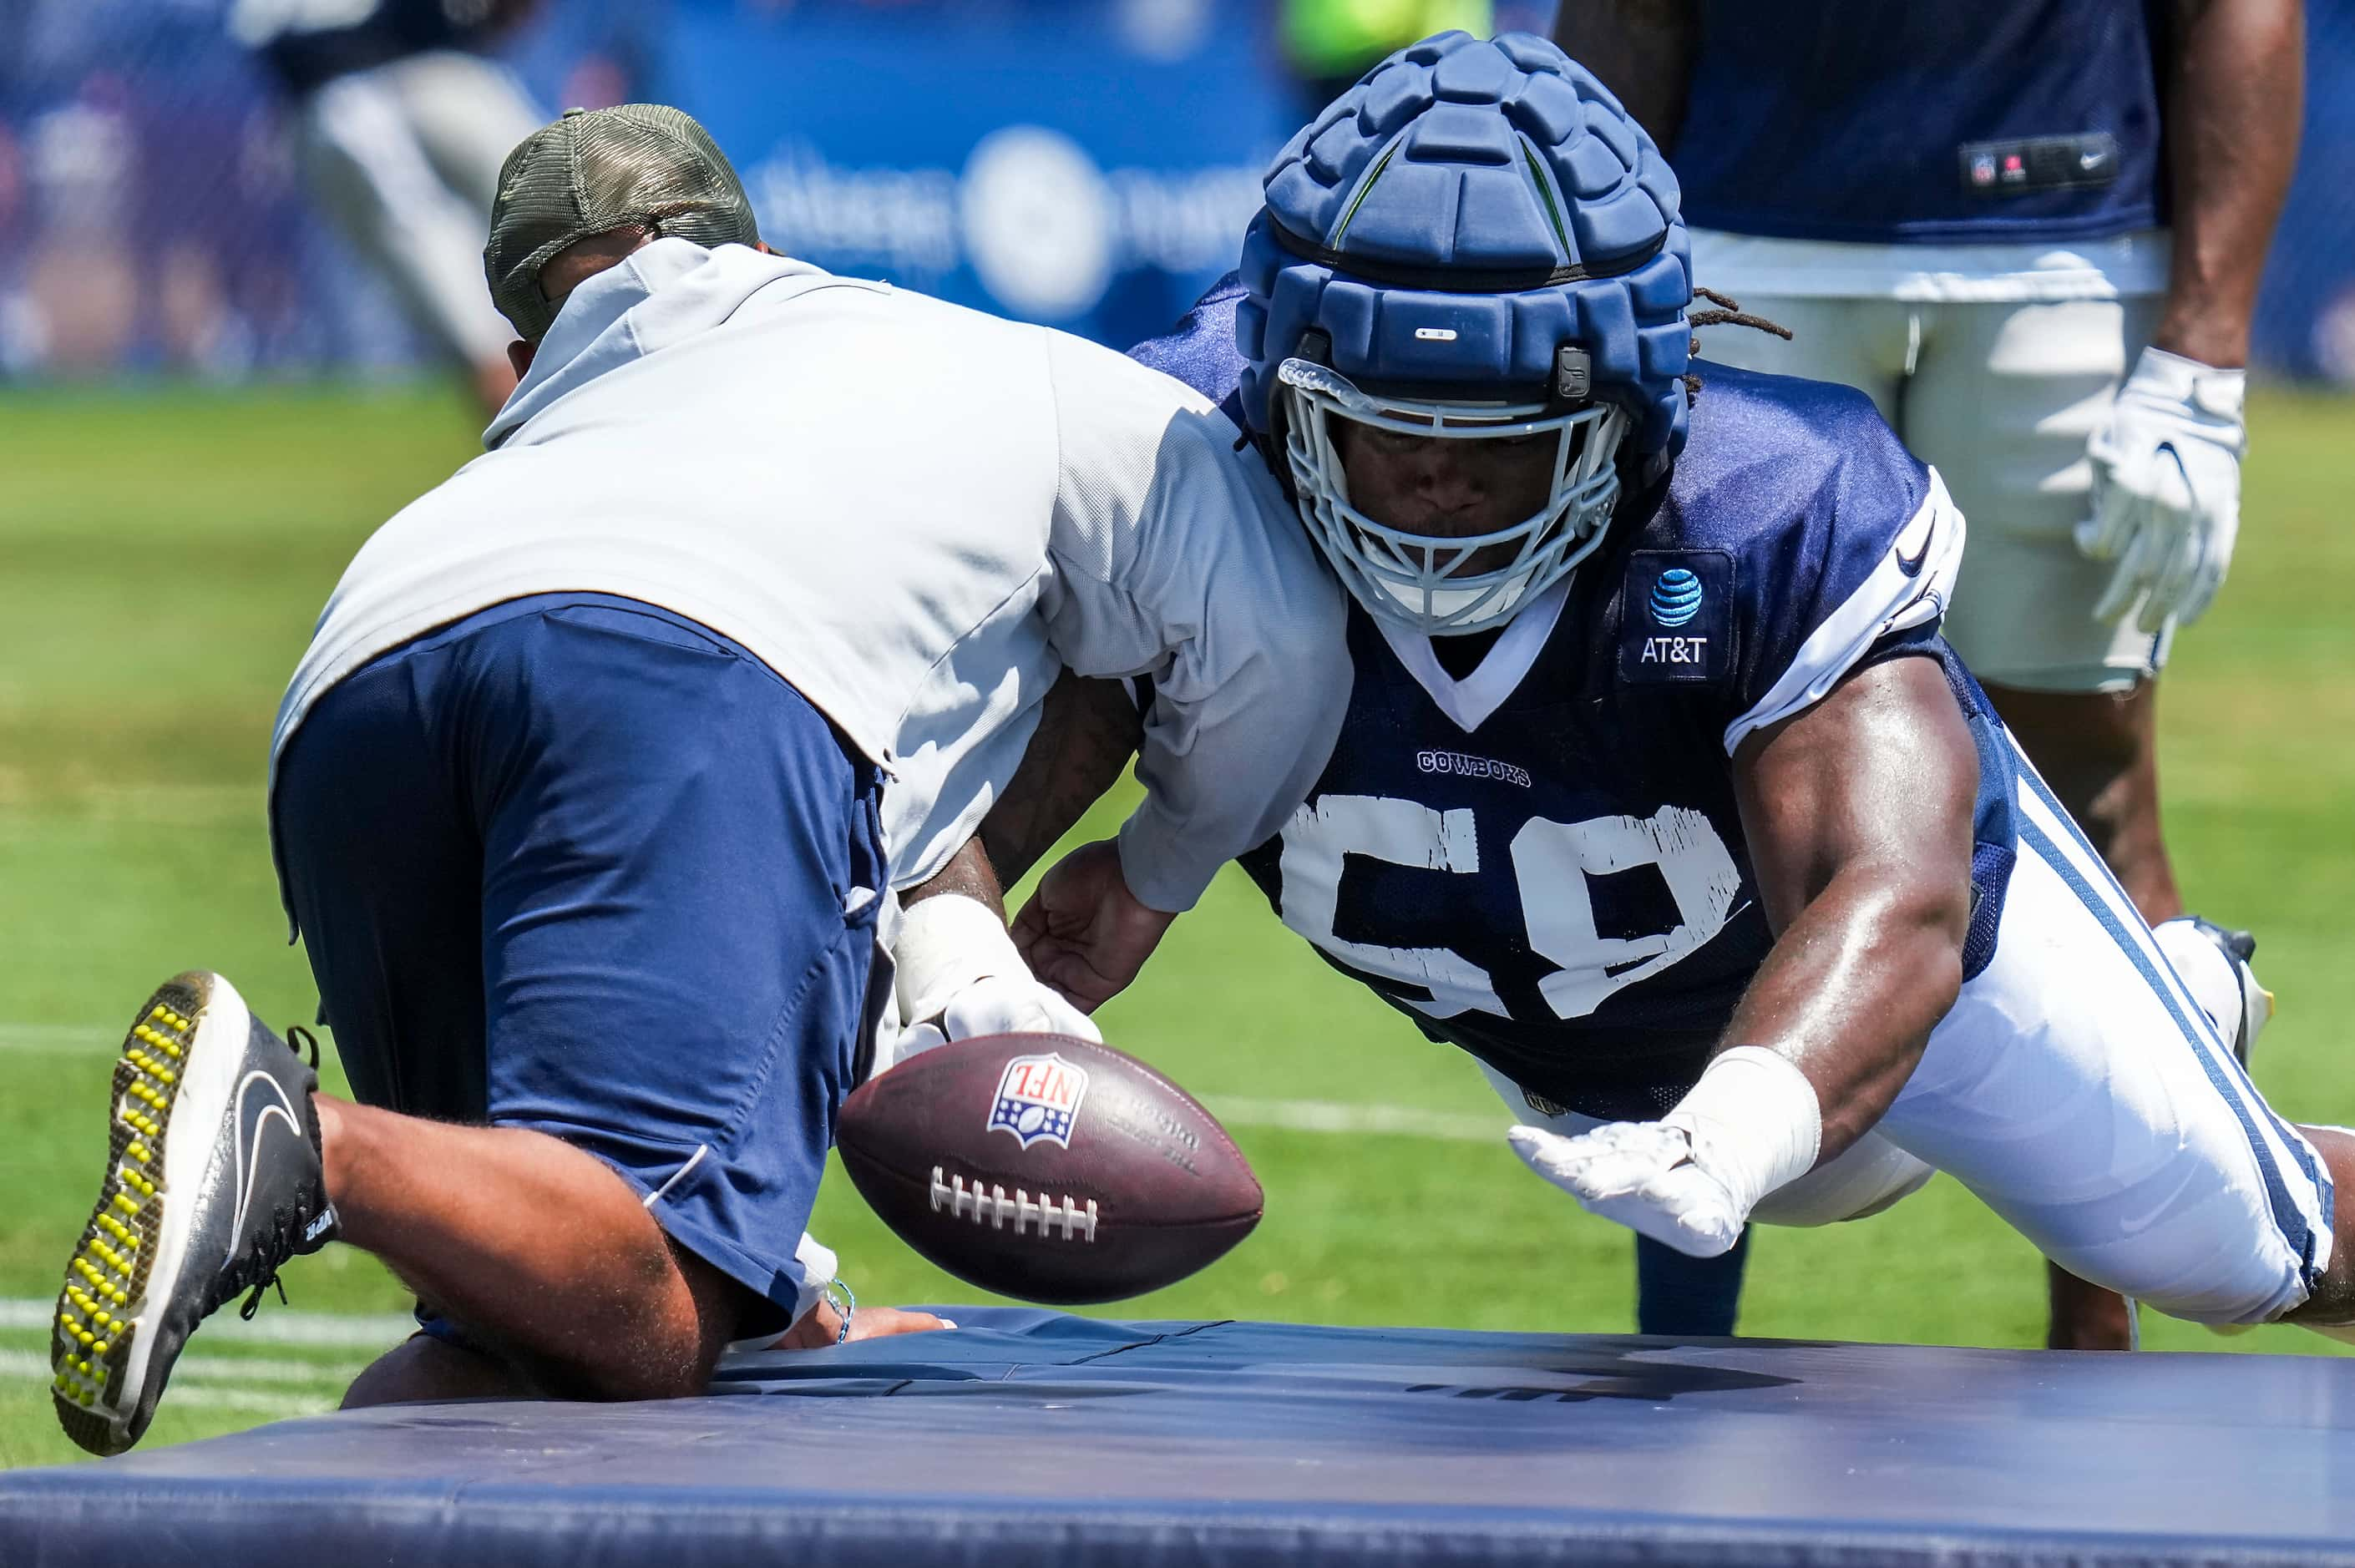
(1911,564)
(253,1114)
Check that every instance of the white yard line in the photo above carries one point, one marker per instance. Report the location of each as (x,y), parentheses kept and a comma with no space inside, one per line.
(28,1366)
(61,1038)
(314,1330)
(1335,1116)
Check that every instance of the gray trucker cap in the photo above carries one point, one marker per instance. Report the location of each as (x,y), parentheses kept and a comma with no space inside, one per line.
(637,165)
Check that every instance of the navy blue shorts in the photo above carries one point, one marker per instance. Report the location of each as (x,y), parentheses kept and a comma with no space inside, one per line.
(579,864)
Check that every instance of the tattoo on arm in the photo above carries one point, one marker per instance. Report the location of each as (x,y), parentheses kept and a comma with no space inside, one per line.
(1087,732)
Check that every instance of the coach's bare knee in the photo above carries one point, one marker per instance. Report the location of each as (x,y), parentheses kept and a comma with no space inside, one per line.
(682,1314)
(424,1369)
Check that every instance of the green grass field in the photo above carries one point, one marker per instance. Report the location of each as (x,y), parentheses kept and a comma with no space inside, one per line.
(162,558)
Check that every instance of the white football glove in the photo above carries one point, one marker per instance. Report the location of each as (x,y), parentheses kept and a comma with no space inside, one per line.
(2167,489)
(1690,1180)
(997,1004)
(1646,1175)
(959,977)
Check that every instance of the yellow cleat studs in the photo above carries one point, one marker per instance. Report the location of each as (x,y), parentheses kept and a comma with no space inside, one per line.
(99,1349)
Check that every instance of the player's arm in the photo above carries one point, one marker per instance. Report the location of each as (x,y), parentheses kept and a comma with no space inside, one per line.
(1858,813)
(2233,106)
(2167,458)
(1642,50)
(1088,730)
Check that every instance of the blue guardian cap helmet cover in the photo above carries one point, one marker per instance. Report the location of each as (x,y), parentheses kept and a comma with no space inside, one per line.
(1475,242)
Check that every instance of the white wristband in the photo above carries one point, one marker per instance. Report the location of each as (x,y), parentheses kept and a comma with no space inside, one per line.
(946,943)
(818,1265)
(1754,1122)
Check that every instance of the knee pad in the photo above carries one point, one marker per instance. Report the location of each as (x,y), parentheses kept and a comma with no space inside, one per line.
(1871,1175)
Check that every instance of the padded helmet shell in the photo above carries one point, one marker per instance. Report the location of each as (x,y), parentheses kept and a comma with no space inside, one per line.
(1463,212)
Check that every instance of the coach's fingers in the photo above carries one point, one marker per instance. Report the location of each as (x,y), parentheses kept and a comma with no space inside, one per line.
(881,1322)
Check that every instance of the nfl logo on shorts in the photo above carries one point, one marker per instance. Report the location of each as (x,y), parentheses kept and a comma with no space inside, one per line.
(1038,1098)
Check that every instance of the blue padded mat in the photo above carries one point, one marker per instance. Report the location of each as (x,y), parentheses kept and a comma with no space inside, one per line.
(1033,1438)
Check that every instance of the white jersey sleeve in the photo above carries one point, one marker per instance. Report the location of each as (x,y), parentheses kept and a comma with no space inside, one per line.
(1174,555)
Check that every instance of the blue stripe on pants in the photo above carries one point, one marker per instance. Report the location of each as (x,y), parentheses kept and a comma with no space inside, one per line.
(2295,1229)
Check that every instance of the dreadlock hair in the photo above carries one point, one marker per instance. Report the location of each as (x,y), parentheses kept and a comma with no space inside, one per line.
(1727,313)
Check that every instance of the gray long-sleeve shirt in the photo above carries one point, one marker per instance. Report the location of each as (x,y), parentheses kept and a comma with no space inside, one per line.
(915,513)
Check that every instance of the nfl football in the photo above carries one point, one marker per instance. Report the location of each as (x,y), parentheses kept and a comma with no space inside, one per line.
(1046,1168)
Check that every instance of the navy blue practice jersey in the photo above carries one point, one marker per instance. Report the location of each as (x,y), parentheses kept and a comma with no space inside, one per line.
(306,43)
(1856,119)
(1544,861)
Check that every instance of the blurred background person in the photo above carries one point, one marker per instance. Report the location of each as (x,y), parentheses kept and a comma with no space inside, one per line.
(1328,44)
(400,122)
(1331,43)
(2033,233)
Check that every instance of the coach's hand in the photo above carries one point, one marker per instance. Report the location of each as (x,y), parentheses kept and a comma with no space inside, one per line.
(1083,932)
(996,1004)
(1646,1175)
(2167,489)
(959,977)
(821,1326)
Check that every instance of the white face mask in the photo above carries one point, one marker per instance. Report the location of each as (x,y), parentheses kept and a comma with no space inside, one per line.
(1414,581)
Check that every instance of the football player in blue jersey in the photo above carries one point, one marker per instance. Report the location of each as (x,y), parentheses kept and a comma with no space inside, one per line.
(1659,790)
(2040,259)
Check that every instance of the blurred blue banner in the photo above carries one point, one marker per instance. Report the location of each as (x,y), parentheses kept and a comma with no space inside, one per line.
(1090,165)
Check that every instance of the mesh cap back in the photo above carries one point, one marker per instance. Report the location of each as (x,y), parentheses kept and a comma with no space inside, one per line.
(637,164)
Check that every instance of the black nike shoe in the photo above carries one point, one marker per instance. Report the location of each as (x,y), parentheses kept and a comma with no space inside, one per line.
(213,1180)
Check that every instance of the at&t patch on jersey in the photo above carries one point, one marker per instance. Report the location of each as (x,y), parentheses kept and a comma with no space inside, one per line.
(1677,618)
(1039,1099)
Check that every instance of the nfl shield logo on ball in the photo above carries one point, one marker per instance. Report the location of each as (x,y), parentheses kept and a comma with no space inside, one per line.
(1039,1099)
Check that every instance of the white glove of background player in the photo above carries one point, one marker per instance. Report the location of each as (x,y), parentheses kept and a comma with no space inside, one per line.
(1690,1178)
(960,977)
(2167,489)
